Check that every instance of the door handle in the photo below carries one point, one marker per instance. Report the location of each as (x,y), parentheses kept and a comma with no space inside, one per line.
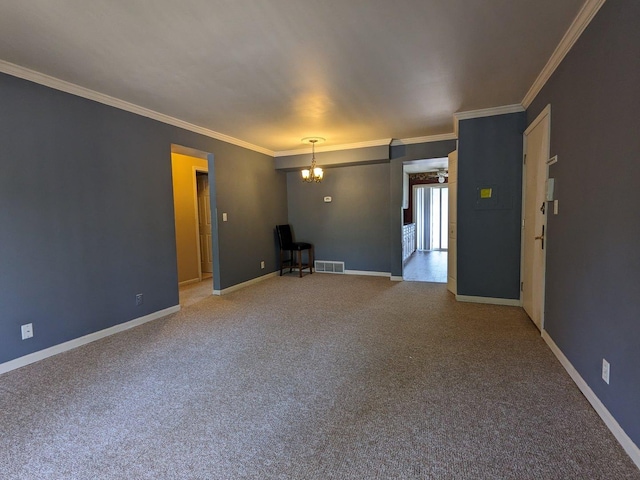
(541,238)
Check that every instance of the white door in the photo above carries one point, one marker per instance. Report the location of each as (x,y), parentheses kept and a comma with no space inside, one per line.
(204,222)
(452,257)
(536,148)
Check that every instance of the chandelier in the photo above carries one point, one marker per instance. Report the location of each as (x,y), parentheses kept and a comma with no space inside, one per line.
(313,173)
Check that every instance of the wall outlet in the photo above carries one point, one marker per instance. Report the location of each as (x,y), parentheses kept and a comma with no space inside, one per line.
(262,264)
(27,331)
(139,299)
(606,369)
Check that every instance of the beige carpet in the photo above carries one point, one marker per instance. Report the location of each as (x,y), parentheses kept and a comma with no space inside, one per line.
(324,377)
(195,292)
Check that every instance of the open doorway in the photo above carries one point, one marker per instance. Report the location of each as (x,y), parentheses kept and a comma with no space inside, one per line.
(431,213)
(195,232)
(426,213)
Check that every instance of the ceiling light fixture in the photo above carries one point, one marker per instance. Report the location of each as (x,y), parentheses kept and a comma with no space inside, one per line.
(441,174)
(313,173)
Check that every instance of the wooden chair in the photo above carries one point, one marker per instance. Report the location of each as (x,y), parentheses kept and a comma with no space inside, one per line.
(285,237)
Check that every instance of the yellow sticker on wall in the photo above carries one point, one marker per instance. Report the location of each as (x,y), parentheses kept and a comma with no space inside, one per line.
(486,192)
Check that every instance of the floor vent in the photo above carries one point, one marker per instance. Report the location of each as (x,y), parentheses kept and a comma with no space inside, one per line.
(329,267)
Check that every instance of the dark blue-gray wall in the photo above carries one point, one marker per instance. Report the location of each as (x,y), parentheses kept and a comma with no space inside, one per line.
(86,216)
(254,196)
(490,157)
(592,308)
(363,224)
(354,227)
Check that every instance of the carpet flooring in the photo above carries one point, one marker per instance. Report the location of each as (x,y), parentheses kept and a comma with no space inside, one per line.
(324,377)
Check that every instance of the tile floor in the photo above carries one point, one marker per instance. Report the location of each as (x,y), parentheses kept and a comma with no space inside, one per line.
(426,266)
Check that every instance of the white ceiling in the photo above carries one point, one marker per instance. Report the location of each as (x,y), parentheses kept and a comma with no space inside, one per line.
(270,72)
(427,165)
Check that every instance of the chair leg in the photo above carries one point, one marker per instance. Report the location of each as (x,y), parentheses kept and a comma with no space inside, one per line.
(300,262)
(280,262)
(291,261)
(311,259)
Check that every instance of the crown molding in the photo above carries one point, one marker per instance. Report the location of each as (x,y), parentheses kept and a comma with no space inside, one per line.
(426,139)
(485,112)
(489,112)
(77,90)
(582,20)
(334,148)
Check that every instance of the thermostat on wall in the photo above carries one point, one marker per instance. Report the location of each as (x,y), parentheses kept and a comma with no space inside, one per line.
(327,199)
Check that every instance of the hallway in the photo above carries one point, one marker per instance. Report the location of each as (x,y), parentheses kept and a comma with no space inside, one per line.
(426,266)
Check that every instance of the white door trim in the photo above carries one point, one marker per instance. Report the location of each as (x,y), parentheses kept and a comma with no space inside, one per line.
(194,174)
(452,222)
(544,113)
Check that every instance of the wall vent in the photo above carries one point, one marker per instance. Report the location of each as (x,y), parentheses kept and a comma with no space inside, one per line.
(329,267)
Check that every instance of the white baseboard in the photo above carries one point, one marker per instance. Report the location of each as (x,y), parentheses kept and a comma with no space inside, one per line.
(628,445)
(78,342)
(493,301)
(189,282)
(233,288)
(367,273)
(396,278)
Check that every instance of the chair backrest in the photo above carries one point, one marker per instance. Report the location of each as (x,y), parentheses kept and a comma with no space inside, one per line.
(285,236)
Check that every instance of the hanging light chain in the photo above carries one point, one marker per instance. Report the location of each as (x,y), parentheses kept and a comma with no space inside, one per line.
(313,173)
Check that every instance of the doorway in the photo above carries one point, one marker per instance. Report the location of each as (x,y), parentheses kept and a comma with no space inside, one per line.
(426,219)
(195,228)
(431,218)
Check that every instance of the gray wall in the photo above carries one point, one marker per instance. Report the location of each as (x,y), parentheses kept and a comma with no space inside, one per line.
(593,260)
(354,227)
(363,224)
(490,156)
(87,216)
(254,196)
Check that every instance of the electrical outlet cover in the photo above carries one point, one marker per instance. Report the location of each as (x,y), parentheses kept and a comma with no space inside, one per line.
(606,370)
(27,331)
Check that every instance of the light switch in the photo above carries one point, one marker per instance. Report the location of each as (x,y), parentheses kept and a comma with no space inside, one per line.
(224,217)
(555,207)
(327,199)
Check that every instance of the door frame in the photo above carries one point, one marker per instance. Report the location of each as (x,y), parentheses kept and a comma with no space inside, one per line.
(545,113)
(195,171)
(452,248)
